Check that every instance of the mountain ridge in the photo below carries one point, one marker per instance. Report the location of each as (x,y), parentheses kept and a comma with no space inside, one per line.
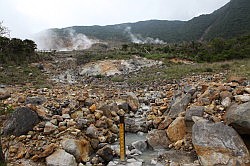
(231,20)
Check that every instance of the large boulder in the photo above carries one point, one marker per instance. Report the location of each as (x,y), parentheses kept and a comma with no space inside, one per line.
(61,158)
(158,139)
(180,105)
(218,144)
(78,148)
(22,120)
(177,129)
(239,117)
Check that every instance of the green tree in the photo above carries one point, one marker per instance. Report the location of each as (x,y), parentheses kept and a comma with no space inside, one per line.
(4,31)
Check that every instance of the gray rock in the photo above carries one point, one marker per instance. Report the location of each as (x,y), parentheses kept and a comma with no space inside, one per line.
(113,163)
(135,152)
(129,121)
(4,94)
(65,116)
(134,125)
(49,128)
(189,89)
(61,158)
(78,148)
(239,117)
(194,111)
(226,102)
(116,149)
(124,106)
(242,98)
(35,100)
(140,145)
(28,162)
(158,139)
(107,108)
(22,120)
(114,129)
(181,157)
(145,107)
(133,101)
(135,163)
(96,160)
(89,102)
(101,124)
(165,123)
(94,143)
(82,123)
(179,105)
(92,131)
(218,144)
(106,153)
(174,164)
(130,125)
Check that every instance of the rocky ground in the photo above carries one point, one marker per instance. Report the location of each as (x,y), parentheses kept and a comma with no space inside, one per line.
(198,120)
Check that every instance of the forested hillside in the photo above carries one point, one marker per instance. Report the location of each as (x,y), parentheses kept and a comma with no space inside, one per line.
(231,20)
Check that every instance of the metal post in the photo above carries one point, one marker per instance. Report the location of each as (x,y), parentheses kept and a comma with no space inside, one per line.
(122,139)
(2,160)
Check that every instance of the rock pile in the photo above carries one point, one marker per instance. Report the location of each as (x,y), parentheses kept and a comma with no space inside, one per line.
(198,121)
(66,70)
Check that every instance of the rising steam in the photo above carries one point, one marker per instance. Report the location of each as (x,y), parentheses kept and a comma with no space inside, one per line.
(137,38)
(69,40)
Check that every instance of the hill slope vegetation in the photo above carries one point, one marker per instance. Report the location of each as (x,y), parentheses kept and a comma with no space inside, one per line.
(231,20)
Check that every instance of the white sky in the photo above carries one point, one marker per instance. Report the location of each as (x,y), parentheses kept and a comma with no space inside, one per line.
(25,17)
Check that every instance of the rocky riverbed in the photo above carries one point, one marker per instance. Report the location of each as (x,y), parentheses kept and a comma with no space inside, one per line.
(198,120)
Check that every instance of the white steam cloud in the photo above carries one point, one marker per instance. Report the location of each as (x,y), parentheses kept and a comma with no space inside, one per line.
(137,38)
(69,40)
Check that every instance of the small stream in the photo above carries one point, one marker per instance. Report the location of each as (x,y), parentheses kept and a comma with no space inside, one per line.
(147,155)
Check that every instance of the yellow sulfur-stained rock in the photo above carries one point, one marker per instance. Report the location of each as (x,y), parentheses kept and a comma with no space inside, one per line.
(92,108)
(177,129)
(78,148)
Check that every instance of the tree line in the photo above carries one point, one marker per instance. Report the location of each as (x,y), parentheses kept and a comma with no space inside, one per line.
(14,50)
(217,49)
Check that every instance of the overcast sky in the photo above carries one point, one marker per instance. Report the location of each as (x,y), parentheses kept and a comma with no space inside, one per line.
(25,17)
